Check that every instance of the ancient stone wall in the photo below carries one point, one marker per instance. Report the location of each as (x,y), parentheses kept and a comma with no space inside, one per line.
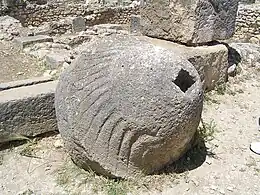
(37,14)
(248,23)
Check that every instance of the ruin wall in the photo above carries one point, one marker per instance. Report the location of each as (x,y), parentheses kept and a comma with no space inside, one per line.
(248,23)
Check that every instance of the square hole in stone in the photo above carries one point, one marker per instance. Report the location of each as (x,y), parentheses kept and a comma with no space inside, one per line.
(184,80)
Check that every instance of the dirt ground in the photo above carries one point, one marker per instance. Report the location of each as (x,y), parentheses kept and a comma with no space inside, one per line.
(227,166)
(16,65)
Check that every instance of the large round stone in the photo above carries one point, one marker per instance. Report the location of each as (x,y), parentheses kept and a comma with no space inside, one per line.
(126,106)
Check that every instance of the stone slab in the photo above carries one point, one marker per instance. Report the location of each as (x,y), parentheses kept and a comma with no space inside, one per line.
(25,82)
(78,24)
(135,24)
(28,110)
(211,62)
(22,42)
(108,26)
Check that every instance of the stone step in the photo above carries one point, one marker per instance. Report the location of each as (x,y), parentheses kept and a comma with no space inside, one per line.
(28,110)
(23,42)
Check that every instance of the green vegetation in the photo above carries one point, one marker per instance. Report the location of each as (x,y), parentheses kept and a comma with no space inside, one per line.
(76,180)
(206,130)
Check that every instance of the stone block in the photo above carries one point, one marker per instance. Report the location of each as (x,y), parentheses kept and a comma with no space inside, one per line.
(108,26)
(135,24)
(28,110)
(211,62)
(23,42)
(78,24)
(189,22)
(43,30)
(26,82)
(56,60)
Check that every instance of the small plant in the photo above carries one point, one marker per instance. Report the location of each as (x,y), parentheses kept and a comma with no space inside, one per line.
(208,97)
(221,89)
(29,149)
(74,180)
(206,130)
(116,187)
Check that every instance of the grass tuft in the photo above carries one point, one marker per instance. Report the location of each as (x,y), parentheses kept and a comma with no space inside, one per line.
(206,130)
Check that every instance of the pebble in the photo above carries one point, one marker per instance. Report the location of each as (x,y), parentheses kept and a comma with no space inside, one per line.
(209,162)
(213,187)
(47,73)
(47,169)
(230,188)
(58,144)
(15,33)
(232,70)
(196,183)
(20,73)
(65,65)
(53,72)
(242,169)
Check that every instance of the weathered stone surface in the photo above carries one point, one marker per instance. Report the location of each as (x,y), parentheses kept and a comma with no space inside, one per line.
(247,1)
(246,55)
(45,29)
(25,41)
(26,82)
(108,26)
(28,110)
(8,21)
(126,106)
(9,27)
(56,60)
(78,24)
(135,24)
(211,62)
(189,22)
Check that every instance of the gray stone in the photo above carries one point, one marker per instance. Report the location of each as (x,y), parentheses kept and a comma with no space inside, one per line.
(189,22)
(8,21)
(22,83)
(247,1)
(126,106)
(211,62)
(78,24)
(43,30)
(74,40)
(135,24)
(56,60)
(108,26)
(28,110)
(26,41)
(232,70)
(246,54)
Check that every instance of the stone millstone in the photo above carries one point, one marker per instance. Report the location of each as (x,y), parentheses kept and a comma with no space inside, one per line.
(189,21)
(126,106)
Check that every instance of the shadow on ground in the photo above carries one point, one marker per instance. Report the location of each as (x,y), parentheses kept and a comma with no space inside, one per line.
(9,141)
(192,159)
